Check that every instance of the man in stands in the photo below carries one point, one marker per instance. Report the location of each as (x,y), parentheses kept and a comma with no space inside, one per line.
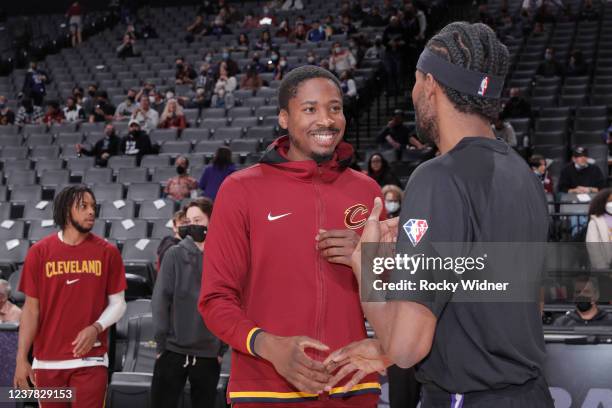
(587,313)
(104,148)
(136,142)
(54,114)
(580,176)
(9,313)
(126,109)
(74,283)
(73,112)
(103,110)
(146,117)
(517,106)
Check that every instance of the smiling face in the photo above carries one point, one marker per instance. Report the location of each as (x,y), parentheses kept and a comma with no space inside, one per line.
(314,119)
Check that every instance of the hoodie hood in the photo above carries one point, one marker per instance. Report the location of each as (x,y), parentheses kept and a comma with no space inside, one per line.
(276,155)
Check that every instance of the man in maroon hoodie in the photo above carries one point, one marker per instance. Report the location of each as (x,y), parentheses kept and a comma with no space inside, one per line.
(276,285)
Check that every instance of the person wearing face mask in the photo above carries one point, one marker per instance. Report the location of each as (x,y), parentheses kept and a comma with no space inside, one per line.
(103,109)
(257,64)
(7,116)
(182,185)
(185,74)
(251,81)
(538,166)
(89,99)
(587,313)
(73,112)
(104,148)
(580,176)
(550,67)
(230,65)
(517,106)
(281,69)
(178,220)
(341,59)
(127,107)
(185,346)
(577,65)
(147,117)
(316,34)
(136,143)
(392,195)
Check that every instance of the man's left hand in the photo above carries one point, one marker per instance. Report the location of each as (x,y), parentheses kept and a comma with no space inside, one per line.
(337,246)
(84,341)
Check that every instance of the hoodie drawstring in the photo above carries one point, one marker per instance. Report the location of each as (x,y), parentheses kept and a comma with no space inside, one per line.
(193,362)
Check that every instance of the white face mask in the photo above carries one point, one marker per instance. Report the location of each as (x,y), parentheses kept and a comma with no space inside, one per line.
(169,95)
(609,207)
(392,206)
(152,99)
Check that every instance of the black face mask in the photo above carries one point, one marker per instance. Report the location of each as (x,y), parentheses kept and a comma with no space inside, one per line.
(131,98)
(92,93)
(197,232)
(583,306)
(181,170)
(183,231)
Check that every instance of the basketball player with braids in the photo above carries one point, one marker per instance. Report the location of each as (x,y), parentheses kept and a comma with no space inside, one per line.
(468,354)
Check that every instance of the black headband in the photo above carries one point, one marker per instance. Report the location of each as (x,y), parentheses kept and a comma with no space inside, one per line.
(458,78)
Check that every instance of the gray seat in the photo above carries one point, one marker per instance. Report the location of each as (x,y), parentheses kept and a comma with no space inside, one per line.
(67,138)
(240,112)
(195,135)
(244,122)
(10,140)
(10,165)
(15,231)
(43,139)
(20,178)
(175,148)
(153,161)
(163,135)
(227,133)
(121,162)
(30,212)
(261,132)
(162,174)
(108,191)
(26,193)
(14,152)
(213,113)
(143,191)
(98,175)
(118,231)
(16,255)
(132,254)
(133,175)
(43,165)
(208,147)
(45,152)
(117,210)
(244,146)
(149,211)
(38,231)
(161,229)
(210,123)
(55,177)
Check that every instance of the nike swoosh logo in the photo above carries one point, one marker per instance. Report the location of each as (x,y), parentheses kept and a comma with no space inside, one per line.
(70,282)
(276,217)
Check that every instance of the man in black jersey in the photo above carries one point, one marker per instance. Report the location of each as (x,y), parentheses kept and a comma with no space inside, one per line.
(468,354)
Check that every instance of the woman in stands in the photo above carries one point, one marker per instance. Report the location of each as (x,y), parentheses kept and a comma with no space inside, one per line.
(243,44)
(379,170)
(224,89)
(214,174)
(392,195)
(600,229)
(173,116)
(182,185)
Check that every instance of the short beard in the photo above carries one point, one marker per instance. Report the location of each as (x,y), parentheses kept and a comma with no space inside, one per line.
(426,128)
(79,227)
(318,158)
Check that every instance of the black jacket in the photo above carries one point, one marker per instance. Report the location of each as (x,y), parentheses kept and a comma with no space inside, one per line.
(572,318)
(136,146)
(589,177)
(105,145)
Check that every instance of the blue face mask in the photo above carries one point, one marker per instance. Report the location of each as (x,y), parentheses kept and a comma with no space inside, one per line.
(225,55)
(2,105)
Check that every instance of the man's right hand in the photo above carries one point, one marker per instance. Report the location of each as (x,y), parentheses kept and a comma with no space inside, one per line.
(288,357)
(78,148)
(23,372)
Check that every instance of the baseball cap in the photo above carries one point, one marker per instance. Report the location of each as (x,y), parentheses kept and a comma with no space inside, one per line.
(134,122)
(579,151)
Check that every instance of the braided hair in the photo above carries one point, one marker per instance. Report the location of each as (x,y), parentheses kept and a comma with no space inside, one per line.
(475,47)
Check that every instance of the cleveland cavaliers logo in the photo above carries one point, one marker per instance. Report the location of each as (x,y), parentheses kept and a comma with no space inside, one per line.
(483,86)
(355,216)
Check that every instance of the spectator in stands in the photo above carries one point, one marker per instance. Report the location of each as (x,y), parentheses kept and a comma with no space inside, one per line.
(89,101)
(126,108)
(264,43)
(195,29)
(398,136)
(374,19)
(379,170)
(234,15)
(185,74)
(273,61)
(577,65)
(148,31)
(230,65)
(311,58)
(29,113)
(136,142)
(376,51)
(544,14)
(299,34)
(216,172)
(349,88)
(281,69)
(218,27)
(7,116)
(251,81)
(341,59)
(157,101)
(517,106)
(53,114)
(243,43)
(588,12)
(185,347)
(392,195)
(328,26)
(587,313)
(75,21)
(34,84)
(103,110)
(73,112)
(549,67)
(178,220)
(104,148)
(9,313)
(539,167)
(250,22)
(183,185)
(127,48)
(224,88)
(257,64)
(284,30)
(600,224)
(346,26)
(173,116)
(316,33)
(301,20)
(580,176)
(147,118)
(504,130)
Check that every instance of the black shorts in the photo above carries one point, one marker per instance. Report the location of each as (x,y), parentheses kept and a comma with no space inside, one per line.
(532,394)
